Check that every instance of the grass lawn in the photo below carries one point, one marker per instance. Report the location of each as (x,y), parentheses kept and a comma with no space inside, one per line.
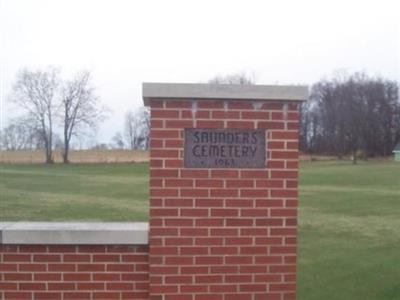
(92,192)
(349,242)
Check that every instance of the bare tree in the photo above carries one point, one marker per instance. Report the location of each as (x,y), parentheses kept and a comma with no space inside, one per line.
(79,108)
(117,141)
(35,92)
(21,134)
(352,114)
(137,128)
(236,78)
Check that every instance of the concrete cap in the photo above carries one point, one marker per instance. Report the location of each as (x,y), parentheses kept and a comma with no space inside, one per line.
(201,91)
(73,233)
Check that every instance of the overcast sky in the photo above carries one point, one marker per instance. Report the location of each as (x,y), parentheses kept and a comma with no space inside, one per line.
(126,42)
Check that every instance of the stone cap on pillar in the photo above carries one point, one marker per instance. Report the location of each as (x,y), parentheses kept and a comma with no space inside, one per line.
(174,91)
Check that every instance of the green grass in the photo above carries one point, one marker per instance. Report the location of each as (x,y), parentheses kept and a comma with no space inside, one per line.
(98,192)
(349,241)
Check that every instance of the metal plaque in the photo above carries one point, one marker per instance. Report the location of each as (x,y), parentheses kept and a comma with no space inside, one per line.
(224,148)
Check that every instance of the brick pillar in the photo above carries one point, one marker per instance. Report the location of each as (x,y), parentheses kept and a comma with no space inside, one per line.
(223,232)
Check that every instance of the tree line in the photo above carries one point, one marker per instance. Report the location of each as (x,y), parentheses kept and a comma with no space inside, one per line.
(354,114)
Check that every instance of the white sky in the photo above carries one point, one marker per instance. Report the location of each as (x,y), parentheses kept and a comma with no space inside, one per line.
(125,43)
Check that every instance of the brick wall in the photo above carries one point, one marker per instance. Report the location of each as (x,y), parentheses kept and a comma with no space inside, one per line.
(223,234)
(73,272)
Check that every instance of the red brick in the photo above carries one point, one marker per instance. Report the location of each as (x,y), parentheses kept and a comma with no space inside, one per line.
(164,153)
(282,287)
(91,286)
(241,124)
(16,257)
(210,104)
(17,276)
(46,258)
(61,286)
(106,295)
(224,173)
(283,212)
(252,287)
(173,143)
(208,278)
(271,125)
(62,248)
(193,212)
(156,103)
(47,277)
(18,295)
(163,212)
(48,295)
(193,231)
(77,295)
(179,202)
(194,270)
(194,192)
(284,193)
(173,163)
(8,267)
(119,286)
(254,174)
(76,258)
(76,276)
(238,278)
(178,260)
(194,250)
(32,267)
(32,286)
(164,134)
(272,106)
(224,193)
(178,124)
(208,202)
(208,241)
(156,123)
(283,231)
(193,288)
(284,154)
(209,124)
(163,192)
(224,250)
(224,212)
(179,222)
(32,248)
(164,114)
(269,183)
(284,174)
(178,104)
(156,163)
(154,173)
(239,222)
(275,164)
(194,173)
(285,135)
(199,114)
(218,114)
(240,105)
(239,202)
(254,193)
(179,279)
(106,276)
(209,183)
(262,115)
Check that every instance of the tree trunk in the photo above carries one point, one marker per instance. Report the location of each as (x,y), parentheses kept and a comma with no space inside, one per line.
(66,152)
(354,158)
